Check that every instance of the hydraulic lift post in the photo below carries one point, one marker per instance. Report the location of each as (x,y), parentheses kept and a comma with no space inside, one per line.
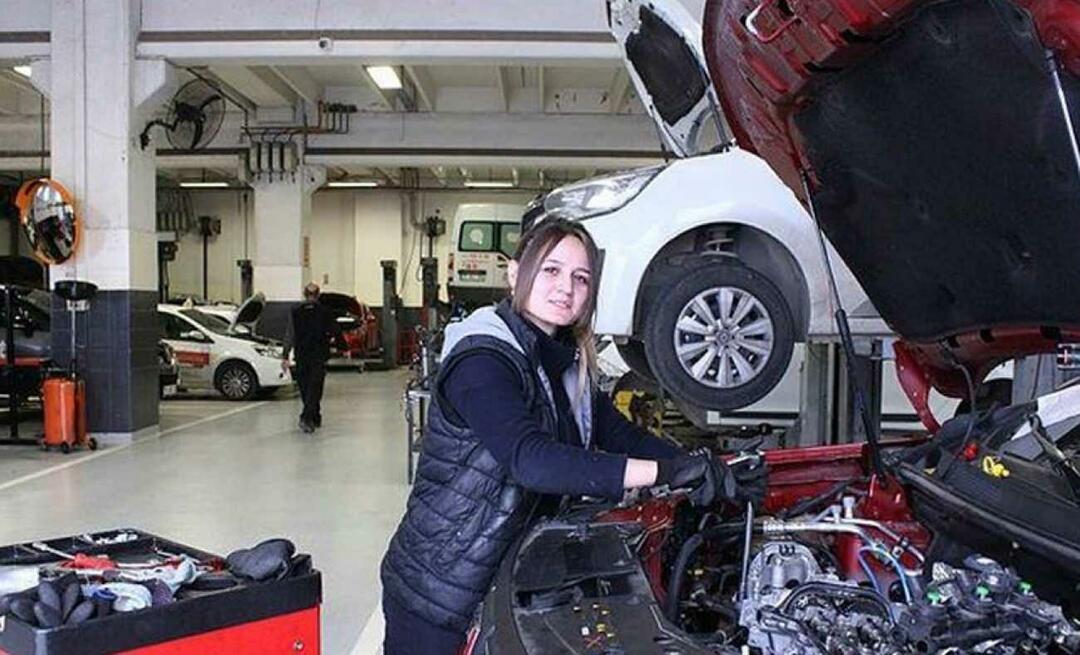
(389,324)
(429,275)
(247,279)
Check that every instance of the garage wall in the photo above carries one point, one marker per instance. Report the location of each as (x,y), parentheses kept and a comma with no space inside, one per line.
(352,230)
(333,248)
(383,230)
(185,273)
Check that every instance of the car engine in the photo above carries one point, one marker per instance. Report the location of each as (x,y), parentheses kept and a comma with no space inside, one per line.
(836,563)
(792,606)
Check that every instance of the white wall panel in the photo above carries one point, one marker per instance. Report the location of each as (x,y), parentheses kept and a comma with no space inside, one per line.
(224,275)
(25,16)
(333,245)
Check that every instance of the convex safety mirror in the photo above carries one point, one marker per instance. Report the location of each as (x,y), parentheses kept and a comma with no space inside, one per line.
(48,217)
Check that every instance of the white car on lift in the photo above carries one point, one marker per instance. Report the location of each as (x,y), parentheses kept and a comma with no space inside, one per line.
(712,270)
(224,356)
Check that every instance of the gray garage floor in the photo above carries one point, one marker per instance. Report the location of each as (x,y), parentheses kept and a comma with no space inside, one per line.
(226,475)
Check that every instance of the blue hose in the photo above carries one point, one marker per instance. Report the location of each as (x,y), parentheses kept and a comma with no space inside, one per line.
(888,557)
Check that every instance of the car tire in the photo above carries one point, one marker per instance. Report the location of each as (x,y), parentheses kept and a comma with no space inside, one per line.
(633,353)
(236,381)
(757,346)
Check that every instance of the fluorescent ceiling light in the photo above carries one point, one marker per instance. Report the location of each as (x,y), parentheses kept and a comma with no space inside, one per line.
(353,184)
(23,70)
(385,77)
(489,184)
(204,185)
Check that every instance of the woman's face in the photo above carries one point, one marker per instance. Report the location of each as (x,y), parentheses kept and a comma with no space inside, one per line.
(561,287)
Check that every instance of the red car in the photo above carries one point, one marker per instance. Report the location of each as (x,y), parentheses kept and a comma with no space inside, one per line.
(935,144)
(359,326)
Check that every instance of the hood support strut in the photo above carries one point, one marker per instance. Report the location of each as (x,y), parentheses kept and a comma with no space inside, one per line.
(844,329)
(1052,63)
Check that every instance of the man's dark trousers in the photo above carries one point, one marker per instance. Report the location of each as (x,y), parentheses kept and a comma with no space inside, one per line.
(310,376)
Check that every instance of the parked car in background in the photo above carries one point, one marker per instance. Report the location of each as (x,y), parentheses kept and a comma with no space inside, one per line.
(33,342)
(222,309)
(359,326)
(712,270)
(217,355)
(484,238)
(23,271)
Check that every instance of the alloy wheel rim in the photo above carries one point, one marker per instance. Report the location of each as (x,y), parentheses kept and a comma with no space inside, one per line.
(235,383)
(724,337)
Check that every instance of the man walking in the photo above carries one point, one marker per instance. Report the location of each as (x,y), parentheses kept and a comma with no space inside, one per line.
(309,332)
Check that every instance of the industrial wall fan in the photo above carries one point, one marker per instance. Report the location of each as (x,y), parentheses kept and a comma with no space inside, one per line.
(194,118)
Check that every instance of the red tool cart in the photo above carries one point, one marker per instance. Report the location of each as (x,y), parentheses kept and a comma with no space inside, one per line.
(276,615)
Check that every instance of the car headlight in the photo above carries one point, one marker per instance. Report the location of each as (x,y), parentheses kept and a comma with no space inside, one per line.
(268,351)
(598,195)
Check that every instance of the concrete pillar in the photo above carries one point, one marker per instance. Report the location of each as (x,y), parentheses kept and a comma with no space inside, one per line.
(100,98)
(282,248)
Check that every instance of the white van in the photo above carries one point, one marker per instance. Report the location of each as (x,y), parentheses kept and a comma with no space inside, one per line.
(485,236)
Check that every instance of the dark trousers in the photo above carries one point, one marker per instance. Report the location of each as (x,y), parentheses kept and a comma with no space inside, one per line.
(408,634)
(310,376)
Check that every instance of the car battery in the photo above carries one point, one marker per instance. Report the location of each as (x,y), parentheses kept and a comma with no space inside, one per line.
(248,618)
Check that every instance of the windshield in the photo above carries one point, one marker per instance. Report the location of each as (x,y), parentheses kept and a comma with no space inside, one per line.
(213,323)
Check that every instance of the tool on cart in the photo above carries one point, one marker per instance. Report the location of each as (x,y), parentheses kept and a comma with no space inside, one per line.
(64,391)
(265,599)
(83,561)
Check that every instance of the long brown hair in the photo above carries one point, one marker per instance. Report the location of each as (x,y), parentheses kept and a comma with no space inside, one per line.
(533,248)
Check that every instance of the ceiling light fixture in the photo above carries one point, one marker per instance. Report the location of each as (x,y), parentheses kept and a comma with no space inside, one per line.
(204,185)
(385,77)
(489,184)
(353,184)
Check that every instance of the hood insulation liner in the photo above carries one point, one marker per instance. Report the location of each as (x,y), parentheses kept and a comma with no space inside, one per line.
(945,174)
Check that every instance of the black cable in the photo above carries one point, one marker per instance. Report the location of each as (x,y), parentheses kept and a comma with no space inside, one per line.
(971,410)
(728,532)
(810,504)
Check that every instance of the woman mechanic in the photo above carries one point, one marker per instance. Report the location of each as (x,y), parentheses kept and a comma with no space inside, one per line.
(515,423)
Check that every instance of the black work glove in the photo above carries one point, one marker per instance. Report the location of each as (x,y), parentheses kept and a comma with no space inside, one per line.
(709,480)
(696,472)
(744,480)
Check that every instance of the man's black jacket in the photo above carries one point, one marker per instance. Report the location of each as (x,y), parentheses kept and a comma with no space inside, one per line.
(311,329)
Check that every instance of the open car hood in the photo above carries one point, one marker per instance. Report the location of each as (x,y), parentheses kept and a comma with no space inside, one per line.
(937,156)
(340,303)
(661,45)
(249,312)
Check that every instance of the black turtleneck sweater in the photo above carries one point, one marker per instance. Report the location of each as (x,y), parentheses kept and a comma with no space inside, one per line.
(485,391)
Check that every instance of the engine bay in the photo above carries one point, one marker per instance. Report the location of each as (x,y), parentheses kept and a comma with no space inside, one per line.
(838,561)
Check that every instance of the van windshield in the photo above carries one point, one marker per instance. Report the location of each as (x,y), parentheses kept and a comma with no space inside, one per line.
(489,236)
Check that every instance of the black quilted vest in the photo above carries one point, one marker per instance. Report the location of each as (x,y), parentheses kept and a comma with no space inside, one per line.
(464,510)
